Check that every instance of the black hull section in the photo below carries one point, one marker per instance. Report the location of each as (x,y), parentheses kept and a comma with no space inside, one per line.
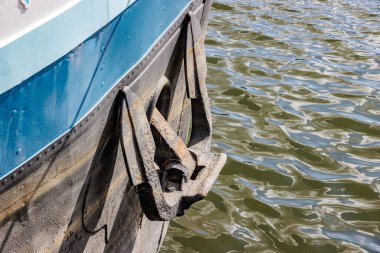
(76,195)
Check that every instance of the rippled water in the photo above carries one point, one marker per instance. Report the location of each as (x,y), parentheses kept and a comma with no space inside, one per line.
(295,89)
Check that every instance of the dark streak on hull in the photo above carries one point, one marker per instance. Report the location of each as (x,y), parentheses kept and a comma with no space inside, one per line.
(75,196)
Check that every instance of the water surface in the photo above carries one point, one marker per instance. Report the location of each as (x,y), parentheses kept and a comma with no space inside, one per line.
(295,89)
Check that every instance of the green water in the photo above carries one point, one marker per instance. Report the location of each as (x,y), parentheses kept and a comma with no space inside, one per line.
(295,89)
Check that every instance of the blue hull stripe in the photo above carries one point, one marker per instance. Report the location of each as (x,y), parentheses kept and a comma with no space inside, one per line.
(26,55)
(47,105)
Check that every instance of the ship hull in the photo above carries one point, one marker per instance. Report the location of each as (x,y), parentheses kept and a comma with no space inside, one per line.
(75,194)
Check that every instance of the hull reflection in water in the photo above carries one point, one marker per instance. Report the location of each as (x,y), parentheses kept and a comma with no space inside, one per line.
(106,141)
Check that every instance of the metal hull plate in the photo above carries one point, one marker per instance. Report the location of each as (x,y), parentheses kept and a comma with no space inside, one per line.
(75,195)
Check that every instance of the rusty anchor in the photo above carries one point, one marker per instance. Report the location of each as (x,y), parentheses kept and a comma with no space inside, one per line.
(188,171)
